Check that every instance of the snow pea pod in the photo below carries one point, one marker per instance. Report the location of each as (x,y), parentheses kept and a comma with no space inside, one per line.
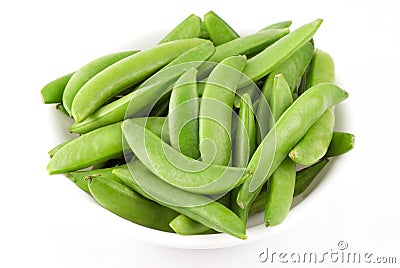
(244,147)
(148,92)
(126,73)
(56,148)
(248,45)
(53,91)
(129,205)
(176,169)
(280,190)
(293,69)
(264,62)
(99,145)
(314,145)
(305,176)
(281,98)
(287,132)
(183,115)
(278,25)
(191,27)
(341,143)
(321,70)
(219,31)
(80,178)
(86,72)
(216,111)
(211,213)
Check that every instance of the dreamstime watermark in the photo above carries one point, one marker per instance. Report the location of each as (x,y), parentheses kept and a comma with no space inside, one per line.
(341,254)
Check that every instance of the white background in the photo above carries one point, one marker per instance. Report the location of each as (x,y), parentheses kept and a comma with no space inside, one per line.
(47,222)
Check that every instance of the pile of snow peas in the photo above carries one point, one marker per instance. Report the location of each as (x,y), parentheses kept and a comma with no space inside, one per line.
(204,129)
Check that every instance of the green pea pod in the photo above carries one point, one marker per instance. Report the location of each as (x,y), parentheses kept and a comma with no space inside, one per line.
(126,73)
(341,143)
(85,73)
(129,205)
(80,178)
(314,145)
(216,111)
(321,70)
(174,168)
(264,62)
(99,145)
(244,147)
(149,92)
(305,176)
(287,132)
(212,214)
(293,69)
(191,27)
(183,115)
(219,31)
(281,98)
(278,25)
(203,31)
(248,45)
(280,193)
(53,91)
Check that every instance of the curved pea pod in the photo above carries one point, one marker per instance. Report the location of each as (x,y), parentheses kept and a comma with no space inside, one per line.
(219,31)
(244,147)
(148,93)
(80,178)
(215,121)
(97,146)
(321,70)
(248,45)
(293,69)
(183,115)
(280,193)
(191,27)
(341,143)
(306,176)
(264,62)
(129,205)
(278,25)
(211,213)
(174,168)
(53,91)
(313,146)
(86,72)
(126,73)
(287,132)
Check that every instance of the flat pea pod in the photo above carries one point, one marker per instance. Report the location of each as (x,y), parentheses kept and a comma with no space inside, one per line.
(149,92)
(287,132)
(293,69)
(341,143)
(215,121)
(248,45)
(321,70)
(174,168)
(314,145)
(99,145)
(278,25)
(129,205)
(244,147)
(219,31)
(281,98)
(280,190)
(264,62)
(80,178)
(191,27)
(86,72)
(53,91)
(126,73)
(212,214)
(305,176)
(183,115)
